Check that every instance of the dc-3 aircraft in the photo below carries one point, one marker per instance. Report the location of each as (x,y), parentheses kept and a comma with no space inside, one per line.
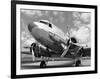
(54,43)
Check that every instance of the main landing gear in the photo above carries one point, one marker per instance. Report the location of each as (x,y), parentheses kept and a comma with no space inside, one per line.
(43,64)
(77,62)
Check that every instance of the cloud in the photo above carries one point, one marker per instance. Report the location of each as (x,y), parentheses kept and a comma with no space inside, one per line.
(81,21)
(29,42)
(77,23)
(55,13)
(32,12)
(28,12)
(26,39)
(76,15)
(85,17)
(39,13)
(82,34)
(46,12)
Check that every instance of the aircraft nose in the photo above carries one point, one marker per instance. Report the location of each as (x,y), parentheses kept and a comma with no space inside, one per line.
(31,26)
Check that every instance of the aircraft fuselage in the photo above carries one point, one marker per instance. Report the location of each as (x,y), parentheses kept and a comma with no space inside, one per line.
(43,37)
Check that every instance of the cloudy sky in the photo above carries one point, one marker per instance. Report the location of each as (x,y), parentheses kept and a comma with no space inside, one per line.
(78,23)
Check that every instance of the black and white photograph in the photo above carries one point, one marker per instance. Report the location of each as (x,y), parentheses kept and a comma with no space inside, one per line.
(53,39)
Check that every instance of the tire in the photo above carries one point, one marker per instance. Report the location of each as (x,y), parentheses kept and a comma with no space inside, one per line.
(78,63)
(43,64)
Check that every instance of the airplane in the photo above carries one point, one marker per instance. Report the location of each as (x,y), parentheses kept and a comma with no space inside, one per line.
(54,40)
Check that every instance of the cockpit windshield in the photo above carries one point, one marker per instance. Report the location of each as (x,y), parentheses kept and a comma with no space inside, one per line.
(44,22)
(47,23)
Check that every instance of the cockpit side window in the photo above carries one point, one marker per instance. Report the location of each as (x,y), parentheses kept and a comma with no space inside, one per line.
(50,25)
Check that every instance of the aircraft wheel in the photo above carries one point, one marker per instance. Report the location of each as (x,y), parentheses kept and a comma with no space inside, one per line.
(78,63)
(43,64)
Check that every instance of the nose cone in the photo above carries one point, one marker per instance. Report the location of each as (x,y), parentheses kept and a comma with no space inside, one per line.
(31,26)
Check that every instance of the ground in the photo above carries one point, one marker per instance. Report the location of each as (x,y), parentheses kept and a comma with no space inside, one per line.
(28,63)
